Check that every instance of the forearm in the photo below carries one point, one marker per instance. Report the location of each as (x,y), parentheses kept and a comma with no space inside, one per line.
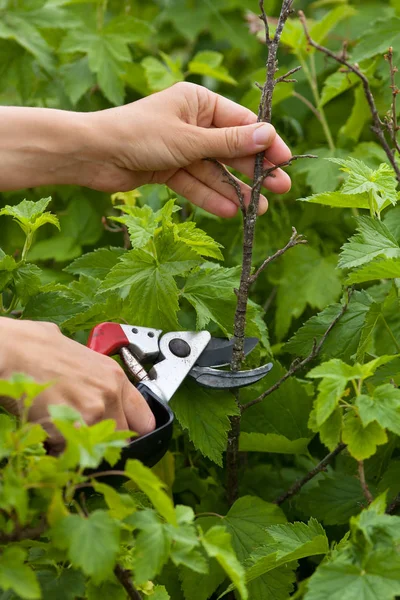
(40,146)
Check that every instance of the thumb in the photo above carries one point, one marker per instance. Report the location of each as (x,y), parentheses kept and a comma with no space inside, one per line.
(235,142)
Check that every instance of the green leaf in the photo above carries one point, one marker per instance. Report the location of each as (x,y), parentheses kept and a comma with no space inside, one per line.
(339,200)
(205,414)
(359,116)
(30,215)
(333,500)
(120,505)
(272,442)
(16,576)
(77,79)
(66,585)
(286,543)
(17,26)
(217,544)
(153,487)
(211,292)
(152,545)
(372,240)
(362,441)
(381,268)
(377,39)
(87,445)
(7,266)
(304,264)
(95,264)
(198,240)
(20,386)
(26,281)
(153,293)
(92,543)
(343,341)
(161,75)
(208,63)
(53,307)
(382,406)
(108,589)
(337,84)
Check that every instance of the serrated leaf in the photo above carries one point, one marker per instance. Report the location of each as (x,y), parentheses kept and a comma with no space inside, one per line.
(26,281)
(377,39)
(362,441)
(198,240)
(205,414)
(97,263)
(382,406)
(17,26)
(92,543)
(53,307)
(217,544)
(340,200)
(306,264)
(160,75)
(152,545)
(30,215)
(381,268)
(153,487)
(372,240)
(17,576)
(343,341)
(77,78)
(66,585)
(333,500)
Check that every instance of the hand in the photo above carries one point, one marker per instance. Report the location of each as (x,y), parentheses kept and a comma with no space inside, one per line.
(93,384)
(164,137)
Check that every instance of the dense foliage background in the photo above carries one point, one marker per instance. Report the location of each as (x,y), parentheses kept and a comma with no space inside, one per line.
(90,55)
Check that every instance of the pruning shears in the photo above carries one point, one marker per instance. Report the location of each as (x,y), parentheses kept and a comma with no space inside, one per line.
(173,356)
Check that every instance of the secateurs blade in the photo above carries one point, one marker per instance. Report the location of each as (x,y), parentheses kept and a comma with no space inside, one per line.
(172,356)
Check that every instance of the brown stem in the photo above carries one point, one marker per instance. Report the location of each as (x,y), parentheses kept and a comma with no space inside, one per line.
(377,126)
(285,78)
(267,172)
(249,223)
(321,466)
(27,533)
(361,473)
(392,124)
(124,577)
(297,364)
(231,180)
(392,509)
(295,240)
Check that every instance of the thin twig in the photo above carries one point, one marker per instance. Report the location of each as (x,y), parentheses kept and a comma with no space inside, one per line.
(267,172)
(26,533)
(284,78)
(321,466)
(391,121)
(309,104)
(295,240)
(124,577)
(377,127)
(361,473)
(297,365)
(249,223)
(231,180)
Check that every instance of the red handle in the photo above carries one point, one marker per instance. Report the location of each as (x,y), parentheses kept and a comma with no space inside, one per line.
(107,338)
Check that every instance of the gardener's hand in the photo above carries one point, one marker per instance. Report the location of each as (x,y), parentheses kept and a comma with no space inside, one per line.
(162,139)
(159,139)
(93,384)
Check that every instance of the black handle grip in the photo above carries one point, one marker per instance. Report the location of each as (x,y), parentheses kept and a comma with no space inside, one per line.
(150,448)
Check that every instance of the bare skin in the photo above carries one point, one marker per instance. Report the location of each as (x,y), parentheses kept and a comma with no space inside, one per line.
(159,139)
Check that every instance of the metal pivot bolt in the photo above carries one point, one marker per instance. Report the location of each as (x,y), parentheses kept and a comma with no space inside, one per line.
(179,348)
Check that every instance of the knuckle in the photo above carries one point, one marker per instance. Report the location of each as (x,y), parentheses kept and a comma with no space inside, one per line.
(95,412)
(50,327)
(232,140)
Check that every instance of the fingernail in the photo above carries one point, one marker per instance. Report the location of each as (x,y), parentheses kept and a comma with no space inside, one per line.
(264,135)
(263,205)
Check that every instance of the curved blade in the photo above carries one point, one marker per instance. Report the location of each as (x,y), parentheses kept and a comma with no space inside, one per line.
(214,378)
(218,352)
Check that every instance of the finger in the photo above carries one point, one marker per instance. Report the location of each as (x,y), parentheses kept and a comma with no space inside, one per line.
(278,152)
(229,142)
(136,410)
(279,183)
(212,176)
(190,187)
(218,111)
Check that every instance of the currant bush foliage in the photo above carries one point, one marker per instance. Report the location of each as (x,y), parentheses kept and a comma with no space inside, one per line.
(66,533)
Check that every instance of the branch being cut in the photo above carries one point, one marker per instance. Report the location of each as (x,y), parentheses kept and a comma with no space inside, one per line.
(268,172)
(391,121)
(366,491)
(249,222)
(124,577)
(378,126)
